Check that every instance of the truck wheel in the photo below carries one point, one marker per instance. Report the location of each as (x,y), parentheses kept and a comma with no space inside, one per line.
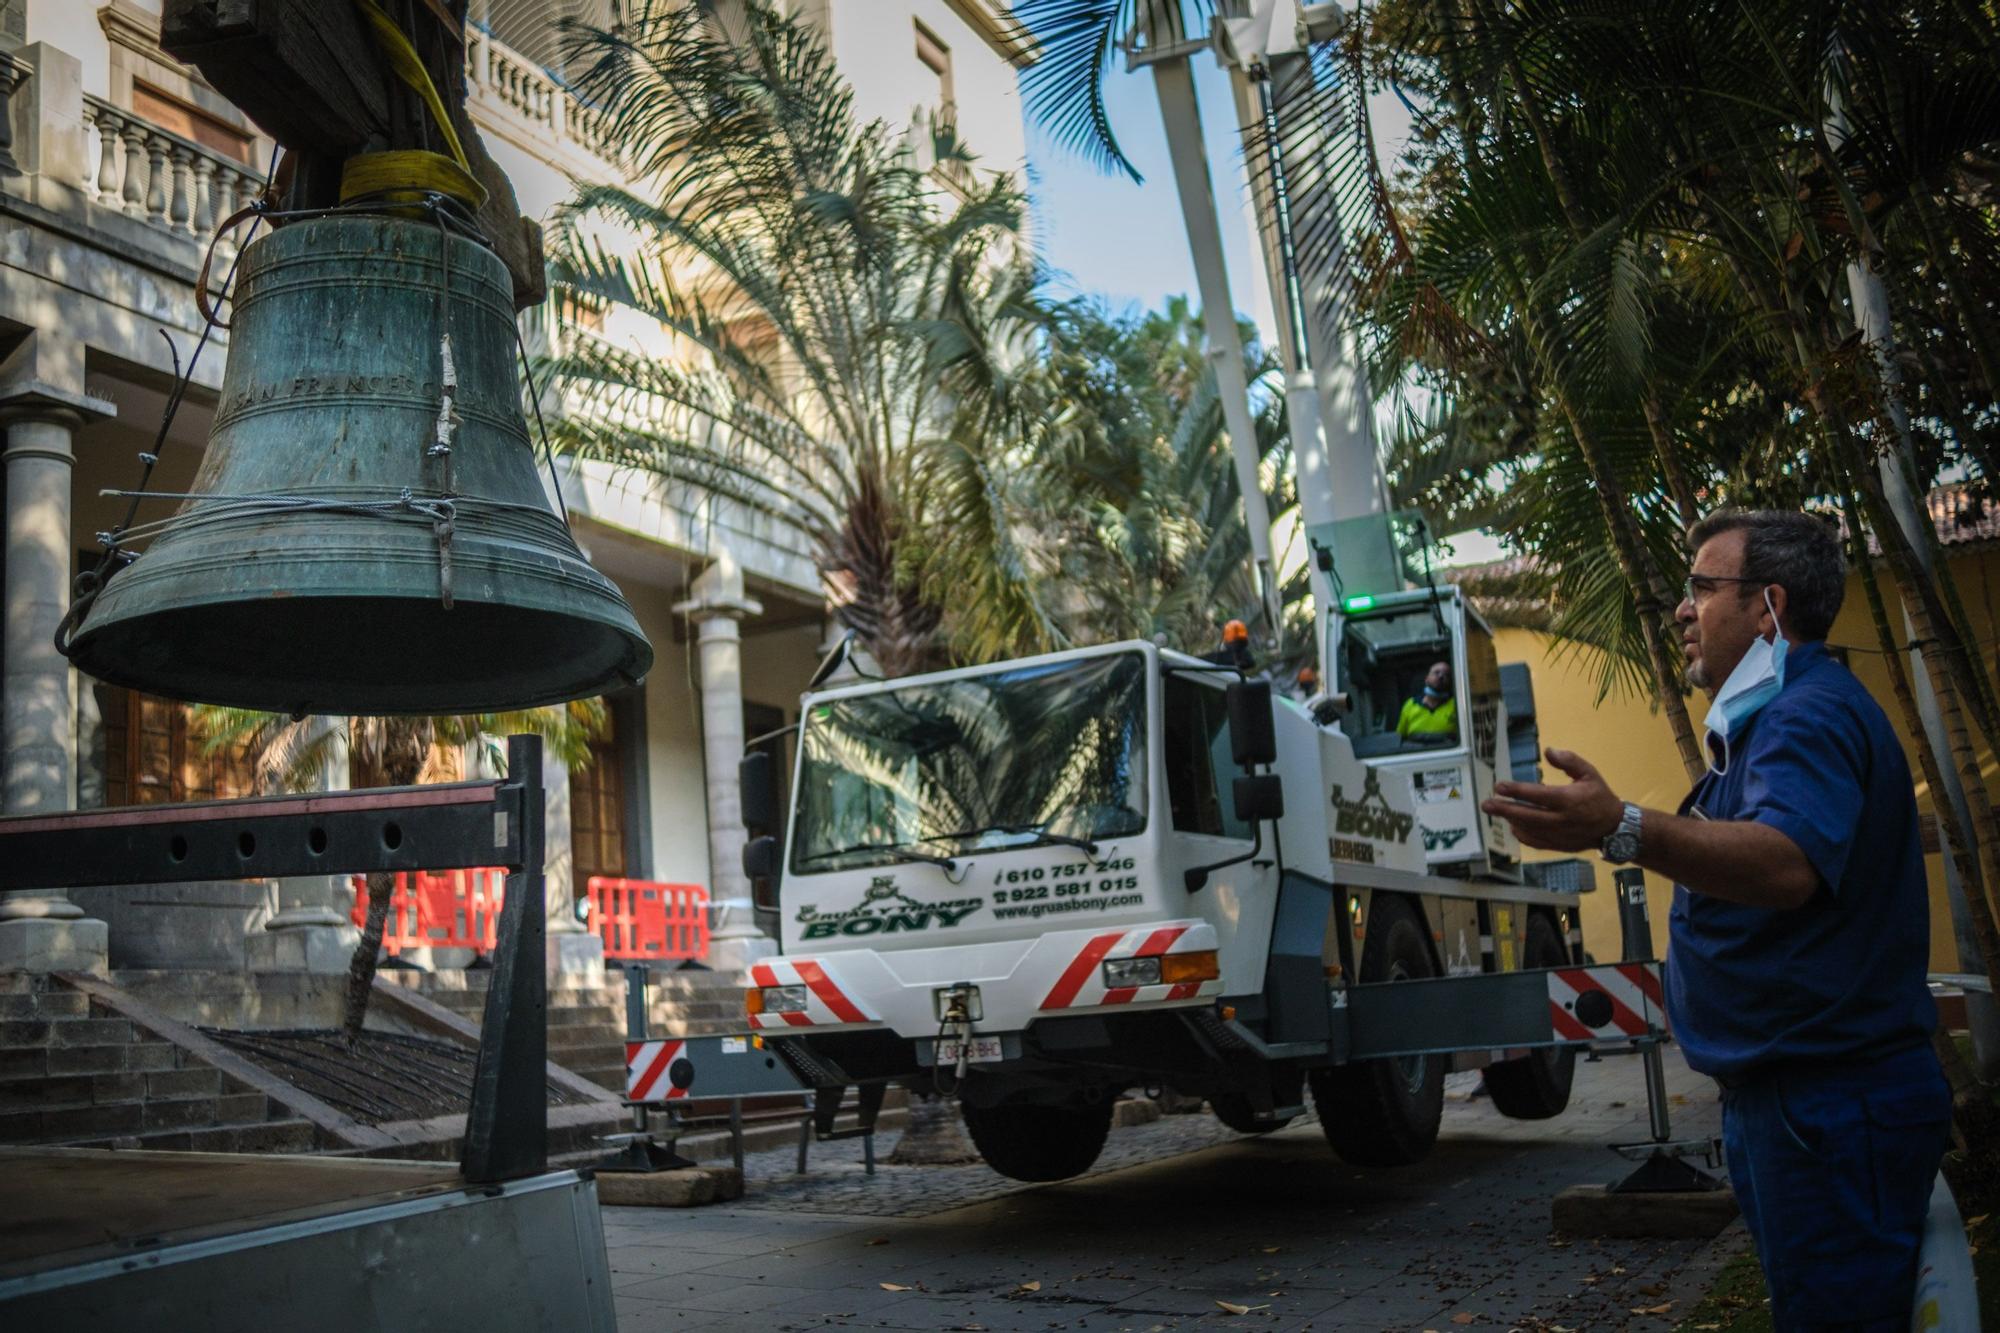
(1385,1112)
(1028,1142)
(1235,1112)
(1536,1086)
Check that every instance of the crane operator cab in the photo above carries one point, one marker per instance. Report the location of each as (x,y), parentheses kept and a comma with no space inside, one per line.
(1424,706)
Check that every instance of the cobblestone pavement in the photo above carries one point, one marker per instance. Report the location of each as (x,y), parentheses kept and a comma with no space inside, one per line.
(1181,1220)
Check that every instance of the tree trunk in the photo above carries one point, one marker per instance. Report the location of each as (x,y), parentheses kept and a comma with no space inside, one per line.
(361,967)
(870,593)
(401,745)
(1679,489)
(935,1135)
(1919,602)
(1956,837)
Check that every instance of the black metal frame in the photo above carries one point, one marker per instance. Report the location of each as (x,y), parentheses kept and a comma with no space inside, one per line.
(447,826)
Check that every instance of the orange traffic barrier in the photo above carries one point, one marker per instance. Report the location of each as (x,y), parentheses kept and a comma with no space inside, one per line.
(648,921)
(450,909)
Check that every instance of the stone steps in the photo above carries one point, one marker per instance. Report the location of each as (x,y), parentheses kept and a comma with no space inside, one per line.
(277,1136)
(609,1077)
(576,1036)
(75,1072)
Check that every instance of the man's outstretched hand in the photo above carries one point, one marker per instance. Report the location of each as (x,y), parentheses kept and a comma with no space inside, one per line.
(1573,818)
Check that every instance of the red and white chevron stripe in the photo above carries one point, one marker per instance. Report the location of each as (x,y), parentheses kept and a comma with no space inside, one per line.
(826,1003)
(1081,984)
(649,1069)
(1633,989)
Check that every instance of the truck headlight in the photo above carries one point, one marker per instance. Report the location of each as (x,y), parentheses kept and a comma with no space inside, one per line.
(775,1000)
(1127,972)
(1170,969)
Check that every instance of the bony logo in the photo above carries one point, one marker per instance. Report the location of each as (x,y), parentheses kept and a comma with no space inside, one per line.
(1372,816)
(884,909)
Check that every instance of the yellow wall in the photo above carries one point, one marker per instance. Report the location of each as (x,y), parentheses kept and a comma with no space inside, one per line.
(1629,742)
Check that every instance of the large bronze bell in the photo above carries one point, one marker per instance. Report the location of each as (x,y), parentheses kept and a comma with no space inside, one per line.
(366,536)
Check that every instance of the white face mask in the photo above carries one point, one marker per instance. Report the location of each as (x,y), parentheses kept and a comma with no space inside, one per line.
(1754,683)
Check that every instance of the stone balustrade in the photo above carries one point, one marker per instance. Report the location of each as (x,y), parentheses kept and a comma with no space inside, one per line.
(171,183)
(530,94)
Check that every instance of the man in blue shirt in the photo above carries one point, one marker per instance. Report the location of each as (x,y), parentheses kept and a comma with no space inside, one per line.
(1800,929)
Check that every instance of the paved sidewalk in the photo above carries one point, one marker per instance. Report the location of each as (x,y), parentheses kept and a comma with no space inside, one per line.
(1181,1217)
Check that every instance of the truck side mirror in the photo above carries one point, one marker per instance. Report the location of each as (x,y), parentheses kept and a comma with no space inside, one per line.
(1253,737)
(764,889)
(760,857)
(758,781)
(1260,796)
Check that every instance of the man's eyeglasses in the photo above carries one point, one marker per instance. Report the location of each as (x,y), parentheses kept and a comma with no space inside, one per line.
(1708,583)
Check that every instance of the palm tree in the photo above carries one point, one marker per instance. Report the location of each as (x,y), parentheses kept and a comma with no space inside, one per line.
(290,754)
(1136,495)
(860,324)
(1693,194)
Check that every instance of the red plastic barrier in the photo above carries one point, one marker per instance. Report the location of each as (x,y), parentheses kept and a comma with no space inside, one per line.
(644,920)
(450,909)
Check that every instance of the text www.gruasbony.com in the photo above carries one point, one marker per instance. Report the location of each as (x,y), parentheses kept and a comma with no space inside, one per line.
(1069,905)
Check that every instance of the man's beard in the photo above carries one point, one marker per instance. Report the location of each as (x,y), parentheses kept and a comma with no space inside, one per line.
(1697,674)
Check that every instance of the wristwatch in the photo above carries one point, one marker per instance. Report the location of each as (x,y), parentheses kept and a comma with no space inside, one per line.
(1623,844)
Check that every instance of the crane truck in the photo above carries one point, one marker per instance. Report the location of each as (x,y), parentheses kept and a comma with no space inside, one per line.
(1032,885)
(1035,884)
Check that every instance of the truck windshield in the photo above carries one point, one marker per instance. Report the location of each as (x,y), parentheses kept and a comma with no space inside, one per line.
(1057,748)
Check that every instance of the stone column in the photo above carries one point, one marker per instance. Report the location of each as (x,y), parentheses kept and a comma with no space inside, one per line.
(41,930)
(717,606)
(311,931)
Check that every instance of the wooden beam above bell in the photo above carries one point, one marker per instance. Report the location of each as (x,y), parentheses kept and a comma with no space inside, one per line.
(310,75)
(304,70)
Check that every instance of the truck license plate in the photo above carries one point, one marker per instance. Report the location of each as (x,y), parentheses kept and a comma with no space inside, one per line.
(979,1051)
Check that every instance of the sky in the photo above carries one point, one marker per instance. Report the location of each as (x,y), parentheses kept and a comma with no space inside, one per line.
(1125,243)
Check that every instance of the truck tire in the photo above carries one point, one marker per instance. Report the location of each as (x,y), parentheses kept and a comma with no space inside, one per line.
(1385,1112)
(1536,1086)
(1026,1142)
(1235,1112)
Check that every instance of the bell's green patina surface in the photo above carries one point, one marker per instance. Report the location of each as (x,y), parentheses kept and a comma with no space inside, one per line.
(333,558)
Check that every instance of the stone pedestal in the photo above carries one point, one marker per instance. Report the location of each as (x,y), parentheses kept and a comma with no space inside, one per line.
(575,953)
(49,944)
(41,930)
(321,948)
(311,930)
(717,607)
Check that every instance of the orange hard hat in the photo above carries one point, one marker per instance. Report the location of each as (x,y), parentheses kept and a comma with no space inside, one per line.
(1235,632)
(1308,676)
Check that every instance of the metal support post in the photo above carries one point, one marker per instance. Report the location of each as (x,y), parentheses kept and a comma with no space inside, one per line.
(637,976)
(1635,930)
(507,1125)
(1656,1092)
(1663,1163)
